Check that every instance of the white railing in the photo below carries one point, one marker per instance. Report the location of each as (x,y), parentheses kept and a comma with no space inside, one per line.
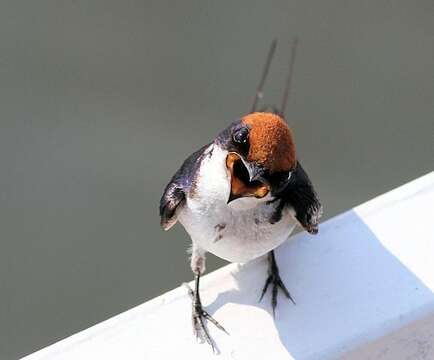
(363,287)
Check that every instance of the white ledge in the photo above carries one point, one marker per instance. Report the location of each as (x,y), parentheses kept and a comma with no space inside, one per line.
(363,286)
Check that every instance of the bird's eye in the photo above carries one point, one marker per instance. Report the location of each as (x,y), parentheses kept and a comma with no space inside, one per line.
(241,135)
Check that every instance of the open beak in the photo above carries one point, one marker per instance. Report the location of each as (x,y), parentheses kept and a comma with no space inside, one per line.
(246,179)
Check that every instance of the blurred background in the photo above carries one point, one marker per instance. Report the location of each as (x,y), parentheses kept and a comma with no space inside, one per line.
(101,101)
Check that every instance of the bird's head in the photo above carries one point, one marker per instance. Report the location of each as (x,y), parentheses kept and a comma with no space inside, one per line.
(261,155)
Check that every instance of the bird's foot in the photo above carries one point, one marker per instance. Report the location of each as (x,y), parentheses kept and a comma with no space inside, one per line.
(276,282)
(199,317)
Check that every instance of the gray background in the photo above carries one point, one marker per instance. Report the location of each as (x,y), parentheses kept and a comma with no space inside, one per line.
(100,101)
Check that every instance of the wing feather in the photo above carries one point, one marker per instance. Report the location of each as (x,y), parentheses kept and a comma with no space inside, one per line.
(301,196)
(179,187)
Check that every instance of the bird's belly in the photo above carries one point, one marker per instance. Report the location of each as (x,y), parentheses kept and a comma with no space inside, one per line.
(235,246)
(234,235)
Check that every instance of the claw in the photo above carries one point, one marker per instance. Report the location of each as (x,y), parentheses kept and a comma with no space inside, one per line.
(264,290)
(285,290)
(204,330)
(274,278)
(214,321)
(200,329)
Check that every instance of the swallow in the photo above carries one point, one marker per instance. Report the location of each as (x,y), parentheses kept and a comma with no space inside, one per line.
(240,196)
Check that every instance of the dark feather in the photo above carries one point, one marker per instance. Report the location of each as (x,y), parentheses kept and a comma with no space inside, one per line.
(301,196)
(181,184)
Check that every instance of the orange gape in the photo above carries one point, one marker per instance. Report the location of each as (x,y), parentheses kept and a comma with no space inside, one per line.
(237,186)
(271,142)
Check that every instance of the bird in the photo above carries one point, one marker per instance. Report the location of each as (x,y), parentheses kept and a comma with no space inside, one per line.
(241,195)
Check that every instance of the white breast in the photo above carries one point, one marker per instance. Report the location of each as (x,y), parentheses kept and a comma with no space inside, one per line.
(237,232)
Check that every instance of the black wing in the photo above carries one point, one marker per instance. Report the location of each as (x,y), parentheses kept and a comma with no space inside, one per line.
(179,186)
(301,196)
